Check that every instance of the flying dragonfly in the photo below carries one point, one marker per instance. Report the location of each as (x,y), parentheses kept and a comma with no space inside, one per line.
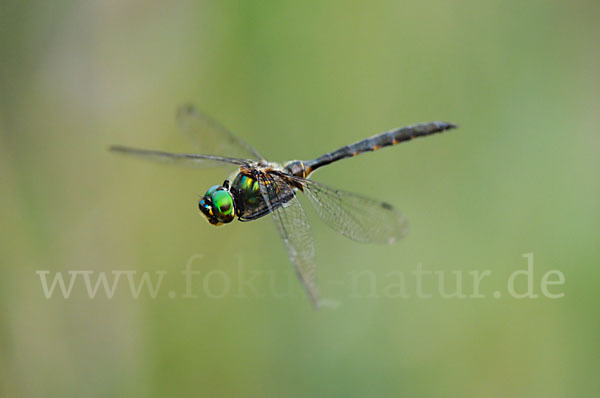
(260,187)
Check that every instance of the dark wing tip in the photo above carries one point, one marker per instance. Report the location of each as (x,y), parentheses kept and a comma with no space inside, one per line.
(117,148)
(187,108)
(184,112)
(124,149)
(387,206)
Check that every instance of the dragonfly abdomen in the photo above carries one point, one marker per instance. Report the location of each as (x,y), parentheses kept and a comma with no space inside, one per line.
(376,142)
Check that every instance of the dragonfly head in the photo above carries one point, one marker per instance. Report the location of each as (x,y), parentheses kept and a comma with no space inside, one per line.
(217,205)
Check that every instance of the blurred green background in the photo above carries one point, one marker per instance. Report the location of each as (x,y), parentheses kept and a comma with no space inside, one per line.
(297,79)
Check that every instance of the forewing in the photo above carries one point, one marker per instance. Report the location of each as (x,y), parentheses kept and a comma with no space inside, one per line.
(210,136)
(357,217)
(183,159)
(294,229)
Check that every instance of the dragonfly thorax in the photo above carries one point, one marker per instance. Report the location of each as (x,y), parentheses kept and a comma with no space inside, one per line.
(246,190)
(249,193)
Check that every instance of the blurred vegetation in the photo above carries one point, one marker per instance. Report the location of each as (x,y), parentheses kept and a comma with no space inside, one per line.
(297,79)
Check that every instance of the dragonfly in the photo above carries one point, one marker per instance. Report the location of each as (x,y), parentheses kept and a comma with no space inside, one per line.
(260,187)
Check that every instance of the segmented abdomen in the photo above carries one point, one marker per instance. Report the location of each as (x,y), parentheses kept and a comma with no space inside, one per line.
(388,138)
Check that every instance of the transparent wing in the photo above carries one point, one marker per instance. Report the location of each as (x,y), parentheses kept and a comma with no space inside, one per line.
(357,217)
(210,136)
(184,159)
(294,229)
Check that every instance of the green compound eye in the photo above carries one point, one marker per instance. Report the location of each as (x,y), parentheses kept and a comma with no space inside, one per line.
(223,202)
(212,190)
